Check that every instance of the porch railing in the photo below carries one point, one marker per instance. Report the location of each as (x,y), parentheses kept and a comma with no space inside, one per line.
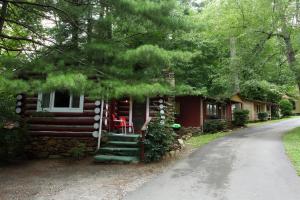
(142,140)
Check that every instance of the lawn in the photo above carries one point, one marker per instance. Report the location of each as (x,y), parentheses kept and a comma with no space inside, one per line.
(252,124)
(291,142)
(200,140)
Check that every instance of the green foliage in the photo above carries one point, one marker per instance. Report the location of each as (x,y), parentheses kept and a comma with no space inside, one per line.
(240,117)
(286,107)
(197,141)
(126,44)
(291,141)
(78,152)
(158,142)
(261,90)
(214,125)
(7,108)
(263,116)
(12,142)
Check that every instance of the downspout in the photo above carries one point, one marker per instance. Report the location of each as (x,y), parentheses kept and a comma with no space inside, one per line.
(100,127)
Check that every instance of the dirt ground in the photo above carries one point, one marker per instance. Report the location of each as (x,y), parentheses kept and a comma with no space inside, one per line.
(60,179)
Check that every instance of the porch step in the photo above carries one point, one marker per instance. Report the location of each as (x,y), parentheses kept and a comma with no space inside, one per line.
(123,137)
(124,151)
(110,158)
(122,143)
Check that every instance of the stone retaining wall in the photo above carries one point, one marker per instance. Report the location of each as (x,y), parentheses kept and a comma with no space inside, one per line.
(55,147)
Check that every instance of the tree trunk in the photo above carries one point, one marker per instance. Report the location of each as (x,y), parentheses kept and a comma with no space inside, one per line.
(89,23)
(234,64)
(75,30)
(3,14)
(297,11)
(291,58)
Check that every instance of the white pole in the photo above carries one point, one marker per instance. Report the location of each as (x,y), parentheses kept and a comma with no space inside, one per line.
(130,113)
(100,127)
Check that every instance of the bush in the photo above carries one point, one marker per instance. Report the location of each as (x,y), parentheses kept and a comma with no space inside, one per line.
(12,139)
(158,141)
(240,117)
(7,108)
(286,107)
(275,112)
(12,142)
(214,125)
(78,151)
(263,116)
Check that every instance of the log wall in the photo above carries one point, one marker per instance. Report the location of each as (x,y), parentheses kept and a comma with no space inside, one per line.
(61,124)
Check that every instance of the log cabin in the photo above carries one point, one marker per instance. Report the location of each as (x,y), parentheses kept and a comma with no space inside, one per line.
(59,121)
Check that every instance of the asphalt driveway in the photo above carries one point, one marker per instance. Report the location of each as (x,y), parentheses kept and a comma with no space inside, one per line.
(248,165)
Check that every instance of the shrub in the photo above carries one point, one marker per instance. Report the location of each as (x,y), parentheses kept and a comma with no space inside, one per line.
(7,108)
(78,151)
(275,112)
(12,142)
(263,116)
(286,107)
(158,141)
(214,125)
(240,117)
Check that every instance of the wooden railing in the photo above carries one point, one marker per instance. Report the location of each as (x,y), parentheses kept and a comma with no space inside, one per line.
(142,140)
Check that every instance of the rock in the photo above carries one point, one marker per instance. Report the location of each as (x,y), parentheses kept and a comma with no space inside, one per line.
(55,156)
(172,154)
(180,141)
(42,155)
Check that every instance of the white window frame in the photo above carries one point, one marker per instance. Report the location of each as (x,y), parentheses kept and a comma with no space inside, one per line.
(51,107)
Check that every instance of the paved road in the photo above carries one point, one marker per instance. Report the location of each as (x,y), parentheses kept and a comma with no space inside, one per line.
(248,165)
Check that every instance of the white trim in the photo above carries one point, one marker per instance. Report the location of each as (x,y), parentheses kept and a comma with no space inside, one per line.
(130,110)
(147,109)
(55,109)
(100,127)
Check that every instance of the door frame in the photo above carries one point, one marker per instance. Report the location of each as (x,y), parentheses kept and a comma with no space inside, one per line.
(131,109)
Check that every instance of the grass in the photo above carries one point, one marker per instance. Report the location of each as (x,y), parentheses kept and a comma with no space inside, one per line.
(252,124)
(200,140)
(291,142)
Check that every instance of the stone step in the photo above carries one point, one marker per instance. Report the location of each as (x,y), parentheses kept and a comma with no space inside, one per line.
(124,151)
(122,144)
(123,137)
(111,158)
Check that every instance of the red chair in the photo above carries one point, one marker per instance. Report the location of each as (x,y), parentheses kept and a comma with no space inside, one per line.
(121,123)
(124,124)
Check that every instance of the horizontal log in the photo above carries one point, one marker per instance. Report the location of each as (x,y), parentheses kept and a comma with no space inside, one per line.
(123,107)
(61,134)
(30,106)
(70,128)
(62,120)
(89,106)
(61,114)
(31,100)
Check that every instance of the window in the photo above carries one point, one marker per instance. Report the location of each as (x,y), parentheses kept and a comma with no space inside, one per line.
(60,101)
(211,110)
(258,108)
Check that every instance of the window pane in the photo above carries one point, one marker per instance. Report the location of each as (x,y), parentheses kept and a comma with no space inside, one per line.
(62,99)
(76,102)
(45,100)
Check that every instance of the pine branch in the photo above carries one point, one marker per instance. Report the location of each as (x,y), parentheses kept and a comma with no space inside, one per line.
(14,49)
(20,39)
(49,7)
